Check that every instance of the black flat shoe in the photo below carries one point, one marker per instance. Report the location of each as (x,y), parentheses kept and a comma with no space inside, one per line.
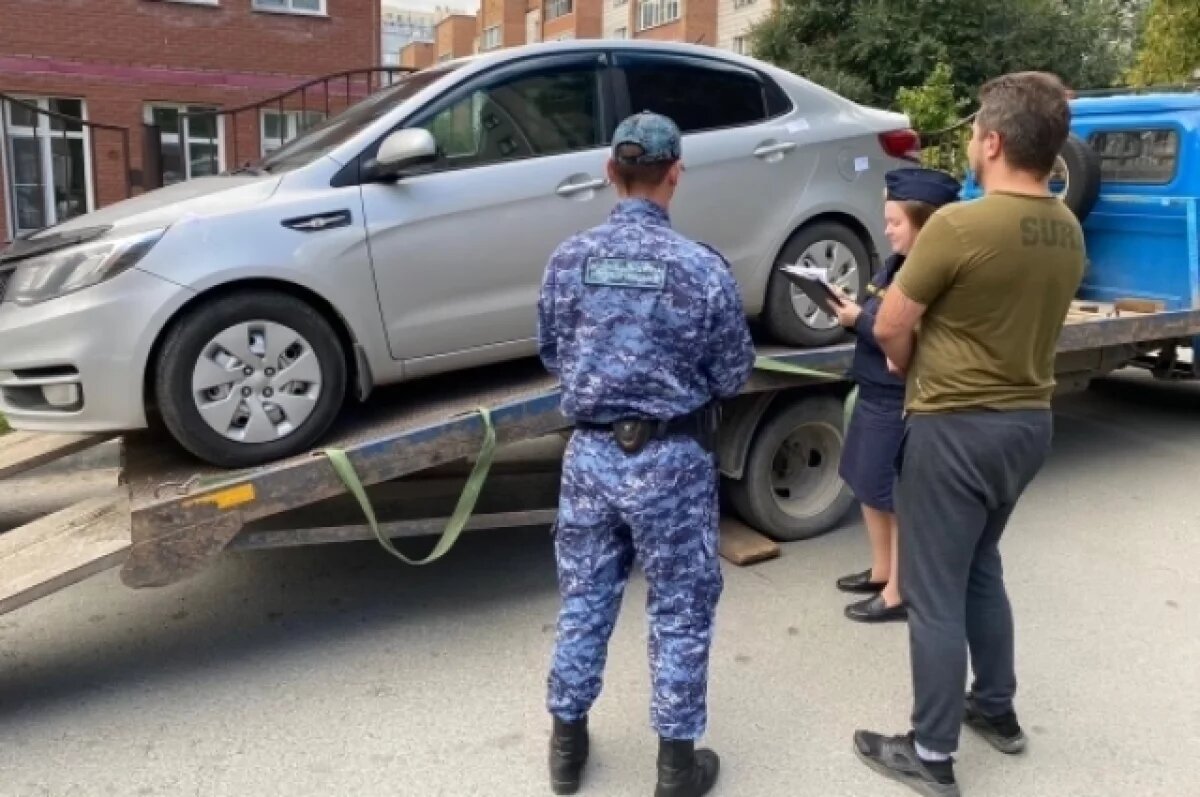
(876,610)
(860,583)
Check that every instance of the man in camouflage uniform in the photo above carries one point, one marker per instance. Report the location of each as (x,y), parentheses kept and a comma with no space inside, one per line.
(647,332)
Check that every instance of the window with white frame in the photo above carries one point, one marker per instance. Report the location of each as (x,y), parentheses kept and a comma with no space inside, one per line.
(619,3)
(621,33)
(652,13)
(291,6)
(47,162)
(193,141)
(278,128)
(490,39)
(558,8)
(743,3)
(740,45)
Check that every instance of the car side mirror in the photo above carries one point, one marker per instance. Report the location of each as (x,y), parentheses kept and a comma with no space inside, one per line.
(403,150)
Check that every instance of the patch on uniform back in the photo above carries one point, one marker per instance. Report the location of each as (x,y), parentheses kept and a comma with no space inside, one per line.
(619,272)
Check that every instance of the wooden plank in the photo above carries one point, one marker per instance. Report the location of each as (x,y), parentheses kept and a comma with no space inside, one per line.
(62,549)
(1139,306)
(22,451)
(743,546)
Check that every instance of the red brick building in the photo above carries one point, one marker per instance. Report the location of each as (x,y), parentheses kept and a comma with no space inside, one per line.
(125,63)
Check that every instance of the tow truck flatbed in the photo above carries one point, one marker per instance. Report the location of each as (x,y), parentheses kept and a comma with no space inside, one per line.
(173,516)
(182,512)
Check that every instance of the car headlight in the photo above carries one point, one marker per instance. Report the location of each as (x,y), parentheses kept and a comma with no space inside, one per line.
(64,271)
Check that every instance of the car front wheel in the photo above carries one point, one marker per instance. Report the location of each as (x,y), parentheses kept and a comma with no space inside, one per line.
(791,317)
(251,377)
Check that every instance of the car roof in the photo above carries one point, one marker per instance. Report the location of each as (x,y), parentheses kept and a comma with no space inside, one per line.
(1155,102)
(481,61)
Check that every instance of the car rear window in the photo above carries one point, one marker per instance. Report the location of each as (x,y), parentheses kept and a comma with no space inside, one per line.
(1137,156)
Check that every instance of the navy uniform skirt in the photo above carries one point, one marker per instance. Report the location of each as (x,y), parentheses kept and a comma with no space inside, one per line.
(872,444)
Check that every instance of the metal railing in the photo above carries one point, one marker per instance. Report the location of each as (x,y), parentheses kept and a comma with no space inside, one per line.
(321,96)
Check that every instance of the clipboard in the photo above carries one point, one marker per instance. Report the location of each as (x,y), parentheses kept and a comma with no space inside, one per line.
(814,285)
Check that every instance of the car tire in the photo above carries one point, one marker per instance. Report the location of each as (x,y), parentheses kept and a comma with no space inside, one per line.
(1082,166)
(798,450)
(822,244)
(313,398)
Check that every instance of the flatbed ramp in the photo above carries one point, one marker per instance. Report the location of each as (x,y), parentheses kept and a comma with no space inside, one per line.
(65,547)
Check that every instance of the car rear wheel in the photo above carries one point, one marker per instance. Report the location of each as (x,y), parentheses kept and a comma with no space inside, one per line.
(249,378)
(791,317)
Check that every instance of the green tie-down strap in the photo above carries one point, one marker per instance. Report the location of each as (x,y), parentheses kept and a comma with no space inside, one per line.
(462,510)
(778,367)
(474,486)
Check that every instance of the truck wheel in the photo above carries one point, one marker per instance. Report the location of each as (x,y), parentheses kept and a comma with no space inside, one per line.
(1076,179)
(791,317)
(249,378)
(790,489)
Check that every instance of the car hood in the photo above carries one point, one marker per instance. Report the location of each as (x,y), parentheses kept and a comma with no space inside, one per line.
(198,197)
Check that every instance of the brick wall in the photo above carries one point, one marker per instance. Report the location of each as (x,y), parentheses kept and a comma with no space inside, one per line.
(119,55)
(454,36)
(418,55)
(229,37)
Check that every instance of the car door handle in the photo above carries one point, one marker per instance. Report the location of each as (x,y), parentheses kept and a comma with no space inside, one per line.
(767,150)
(578,188)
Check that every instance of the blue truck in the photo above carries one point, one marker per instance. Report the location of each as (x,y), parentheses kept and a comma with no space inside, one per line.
(1131,172)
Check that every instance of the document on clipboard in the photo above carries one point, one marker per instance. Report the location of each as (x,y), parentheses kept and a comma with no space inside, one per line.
(815,285)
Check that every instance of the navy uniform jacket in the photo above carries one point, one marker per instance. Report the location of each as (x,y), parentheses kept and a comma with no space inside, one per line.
(869,369)
(639,322)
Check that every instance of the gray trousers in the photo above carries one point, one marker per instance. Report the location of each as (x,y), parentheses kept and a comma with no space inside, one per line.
(959,478)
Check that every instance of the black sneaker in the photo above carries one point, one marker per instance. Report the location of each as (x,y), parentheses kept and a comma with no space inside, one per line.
(896,757)
(1002,731)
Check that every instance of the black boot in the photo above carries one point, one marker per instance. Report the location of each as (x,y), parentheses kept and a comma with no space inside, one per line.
(568,754)
(684,771)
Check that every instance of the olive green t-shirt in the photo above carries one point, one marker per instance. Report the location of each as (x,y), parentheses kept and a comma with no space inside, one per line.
(997,276)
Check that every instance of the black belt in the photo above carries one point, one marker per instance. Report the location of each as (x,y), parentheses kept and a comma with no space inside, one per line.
(632,434)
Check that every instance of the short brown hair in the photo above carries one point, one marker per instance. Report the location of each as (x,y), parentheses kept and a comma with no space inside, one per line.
(917,212)
(645,175)
(1029,111)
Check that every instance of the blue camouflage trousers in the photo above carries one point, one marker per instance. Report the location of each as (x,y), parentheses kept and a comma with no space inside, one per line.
(660,507)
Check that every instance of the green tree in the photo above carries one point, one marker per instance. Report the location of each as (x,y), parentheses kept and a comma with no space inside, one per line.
(869,49)
(1170,44)
(936,111)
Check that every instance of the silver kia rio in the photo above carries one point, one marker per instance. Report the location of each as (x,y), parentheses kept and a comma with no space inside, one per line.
(407,236)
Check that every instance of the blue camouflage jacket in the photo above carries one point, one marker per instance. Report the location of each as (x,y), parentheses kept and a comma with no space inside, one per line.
(639,322)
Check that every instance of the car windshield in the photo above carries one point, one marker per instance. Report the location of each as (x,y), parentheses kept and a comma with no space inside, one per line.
(336,130)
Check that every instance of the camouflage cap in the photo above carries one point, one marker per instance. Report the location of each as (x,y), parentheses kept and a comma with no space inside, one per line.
(656,135)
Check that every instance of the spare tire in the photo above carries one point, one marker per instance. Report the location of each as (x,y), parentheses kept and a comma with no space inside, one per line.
(1076,179)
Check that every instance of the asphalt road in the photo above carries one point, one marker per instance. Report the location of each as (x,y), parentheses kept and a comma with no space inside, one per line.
(338,671)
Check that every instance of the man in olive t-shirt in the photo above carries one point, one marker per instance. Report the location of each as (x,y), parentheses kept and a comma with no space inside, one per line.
(997,276)
(973,320)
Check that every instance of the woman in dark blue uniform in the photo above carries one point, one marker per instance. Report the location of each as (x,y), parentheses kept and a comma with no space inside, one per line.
(877,422)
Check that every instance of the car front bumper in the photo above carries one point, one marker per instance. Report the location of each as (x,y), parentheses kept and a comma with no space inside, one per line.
(77,363)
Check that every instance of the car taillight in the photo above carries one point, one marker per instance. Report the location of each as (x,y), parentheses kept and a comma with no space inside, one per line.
(904,144)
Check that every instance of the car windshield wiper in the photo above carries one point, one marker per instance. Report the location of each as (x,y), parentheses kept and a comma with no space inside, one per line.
(257,171)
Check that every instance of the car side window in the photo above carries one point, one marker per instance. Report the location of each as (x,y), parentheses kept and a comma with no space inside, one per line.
(698,94)
(533,114)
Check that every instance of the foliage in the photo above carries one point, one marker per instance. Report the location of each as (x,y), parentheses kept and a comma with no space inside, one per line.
(868,50)
(1170,44)
(935,111)
(3,425)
